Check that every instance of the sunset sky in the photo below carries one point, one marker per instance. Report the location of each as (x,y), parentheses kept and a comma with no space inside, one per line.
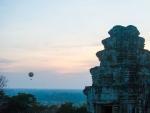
(58,39)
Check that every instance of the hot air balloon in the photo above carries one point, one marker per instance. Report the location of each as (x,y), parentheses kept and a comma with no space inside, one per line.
(31,74)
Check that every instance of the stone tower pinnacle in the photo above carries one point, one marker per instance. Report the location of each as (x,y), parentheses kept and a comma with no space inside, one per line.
(121,84)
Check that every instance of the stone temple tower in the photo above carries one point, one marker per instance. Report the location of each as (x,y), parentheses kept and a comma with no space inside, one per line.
(121,84)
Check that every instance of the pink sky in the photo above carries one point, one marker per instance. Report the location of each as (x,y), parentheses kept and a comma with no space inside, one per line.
(57,40)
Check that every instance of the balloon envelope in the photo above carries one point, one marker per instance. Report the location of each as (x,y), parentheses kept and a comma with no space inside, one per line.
(31,74)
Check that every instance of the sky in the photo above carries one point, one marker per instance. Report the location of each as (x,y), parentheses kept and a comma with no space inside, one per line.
(58,39)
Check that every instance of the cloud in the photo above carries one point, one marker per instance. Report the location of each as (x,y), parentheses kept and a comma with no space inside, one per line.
(6,61)
(75,45)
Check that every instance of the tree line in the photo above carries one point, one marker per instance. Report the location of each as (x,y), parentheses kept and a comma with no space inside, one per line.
(27,103)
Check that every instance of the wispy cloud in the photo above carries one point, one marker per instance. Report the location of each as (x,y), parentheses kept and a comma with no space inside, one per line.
(75,45)
(6,61)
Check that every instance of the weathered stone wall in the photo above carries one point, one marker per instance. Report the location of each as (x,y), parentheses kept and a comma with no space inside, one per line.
(123,76)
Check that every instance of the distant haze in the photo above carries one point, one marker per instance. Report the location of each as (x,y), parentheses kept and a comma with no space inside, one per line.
(58,39)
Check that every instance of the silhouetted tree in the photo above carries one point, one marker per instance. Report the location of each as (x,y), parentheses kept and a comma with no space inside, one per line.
(3,97)
(67,108)
(20,103)
(81,109)
(52,109)
(3,82)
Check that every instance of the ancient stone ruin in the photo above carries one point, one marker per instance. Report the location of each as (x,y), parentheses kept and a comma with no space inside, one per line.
(121,84)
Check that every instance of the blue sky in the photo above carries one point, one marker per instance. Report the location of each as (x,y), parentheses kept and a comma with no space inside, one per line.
(58,39)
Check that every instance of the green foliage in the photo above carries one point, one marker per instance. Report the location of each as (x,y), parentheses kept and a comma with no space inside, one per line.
(81,109)
(27,103)
(22,102)
(1,94)
(69,108)
(52,109)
